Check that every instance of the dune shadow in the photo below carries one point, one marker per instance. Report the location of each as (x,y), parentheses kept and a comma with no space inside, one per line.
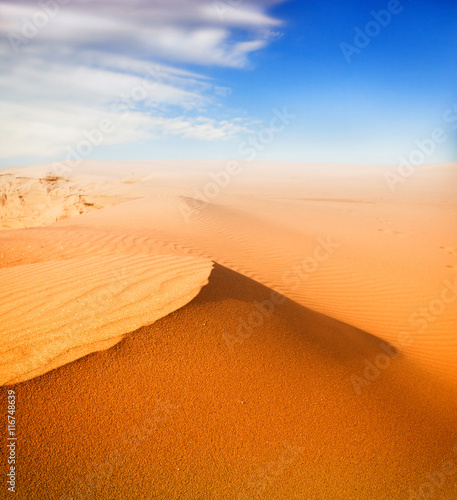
(336,338)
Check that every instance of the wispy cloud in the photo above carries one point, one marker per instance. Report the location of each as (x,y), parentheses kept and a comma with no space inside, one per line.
(192,31)
(67,66)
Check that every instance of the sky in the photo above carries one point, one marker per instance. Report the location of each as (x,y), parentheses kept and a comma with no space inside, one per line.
(284,80)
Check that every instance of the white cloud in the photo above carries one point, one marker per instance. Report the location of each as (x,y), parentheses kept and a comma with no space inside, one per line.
(192,31)
(228,13)
(202,128)
(67,66)
(43,131)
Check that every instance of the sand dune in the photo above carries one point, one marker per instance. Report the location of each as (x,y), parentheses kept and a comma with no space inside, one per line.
(319,362)
(330,257)
(176,410)
(58,311)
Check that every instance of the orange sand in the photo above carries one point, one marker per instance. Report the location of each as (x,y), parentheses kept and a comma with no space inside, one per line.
(336,395)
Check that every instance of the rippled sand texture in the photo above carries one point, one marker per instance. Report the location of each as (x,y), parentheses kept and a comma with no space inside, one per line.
(317,359)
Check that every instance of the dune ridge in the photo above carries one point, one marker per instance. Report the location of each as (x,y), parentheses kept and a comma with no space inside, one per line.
(294,367)
(57,311)
(359,240)
(173,413)
(348,283)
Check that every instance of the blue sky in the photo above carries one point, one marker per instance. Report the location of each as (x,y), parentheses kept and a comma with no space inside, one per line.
(265,80)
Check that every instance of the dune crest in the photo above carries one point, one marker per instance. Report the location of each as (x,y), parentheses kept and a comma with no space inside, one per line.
(381,262)
(58,311)
(301,369)
(178,411)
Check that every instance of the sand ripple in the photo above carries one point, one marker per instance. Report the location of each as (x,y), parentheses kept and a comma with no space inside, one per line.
(58,311)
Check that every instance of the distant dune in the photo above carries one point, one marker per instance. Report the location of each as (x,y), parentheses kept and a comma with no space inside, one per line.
(318,359)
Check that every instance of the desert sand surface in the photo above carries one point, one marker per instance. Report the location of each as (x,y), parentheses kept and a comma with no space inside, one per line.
(188,334)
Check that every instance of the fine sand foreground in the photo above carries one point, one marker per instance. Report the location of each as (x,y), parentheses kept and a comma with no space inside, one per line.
(178,330)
